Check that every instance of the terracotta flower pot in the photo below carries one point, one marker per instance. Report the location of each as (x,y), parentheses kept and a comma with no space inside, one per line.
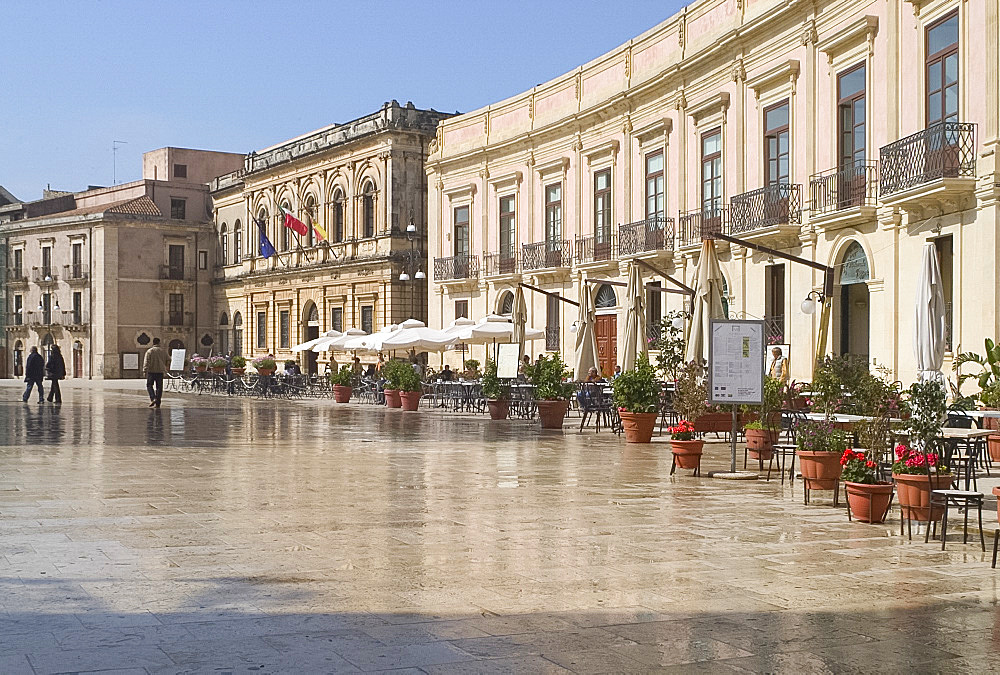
(638,426)
(410,399)
(915,495)
(201,369)
(719,422)
(760,443)
(499,408)
(218,370)
(392,399)
(869,503)
(552,413)
(265,371)
(820,470)
(239,371)
(993,446)
(991,422)
(687,454)
(341,394)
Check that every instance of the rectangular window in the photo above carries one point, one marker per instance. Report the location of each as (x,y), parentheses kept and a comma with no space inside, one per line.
(602,206)
(553,213)
(261,330)
(77,308)
(18,310)
(460,237)
(76,269)
(508,233)
(175,314)
(178,208)
(946,261)
(175,258)
(776,144)
(18,262)
(180,171)
(461,309)
(46,262)
(654,311)
(552,323)
(283,329)
(337,319)
(711,171)
(851,117)
(367,318)
(338,220)
(655,186)
(774,304)
(203,260)
(942,70)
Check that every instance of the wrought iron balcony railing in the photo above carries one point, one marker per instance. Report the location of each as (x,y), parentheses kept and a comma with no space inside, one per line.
(775,204)
(175,273)
(177,319)
(702,223)
(595,248)
(552,338)
(43,275)
(651,234)
(75,317)
(544,254)
(774,329)
(16,276)
(844,188)
(500,263)
(456,267)
(76,272)
(15,319)
(942,150)
(43,318)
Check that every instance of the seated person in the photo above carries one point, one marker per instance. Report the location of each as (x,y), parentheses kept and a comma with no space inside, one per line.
(292,368)
(583,396)
(447,375)
(370,373)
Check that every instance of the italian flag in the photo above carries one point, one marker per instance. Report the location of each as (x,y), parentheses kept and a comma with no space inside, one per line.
(293,223)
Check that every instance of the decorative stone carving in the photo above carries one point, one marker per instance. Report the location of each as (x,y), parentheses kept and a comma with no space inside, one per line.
(738,72)
(809,35)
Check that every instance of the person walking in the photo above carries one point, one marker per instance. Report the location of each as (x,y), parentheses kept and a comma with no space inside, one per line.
(34,371)
(154,365)
(55,370)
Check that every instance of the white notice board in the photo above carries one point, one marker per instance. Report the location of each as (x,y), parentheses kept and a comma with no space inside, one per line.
(507,360)
(736,362)
(177,359)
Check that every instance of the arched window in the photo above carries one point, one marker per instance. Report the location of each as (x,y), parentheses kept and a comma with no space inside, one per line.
(286,238)
(237,242)
(237,333)
(606,297)
(338,215)
(175,344)
(224,245)
(224,319)
(506,305)
(368,209)
(310,217)
(264,221)
(313,319)
(725,297)
(854,267)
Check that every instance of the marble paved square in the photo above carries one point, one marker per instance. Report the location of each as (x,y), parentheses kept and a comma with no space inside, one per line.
(233,536)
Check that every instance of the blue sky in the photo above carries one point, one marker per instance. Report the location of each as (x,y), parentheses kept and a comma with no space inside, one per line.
(239,76)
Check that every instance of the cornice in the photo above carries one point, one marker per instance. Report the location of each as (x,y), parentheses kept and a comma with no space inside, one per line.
(714,104)
(508,179)
(854,33)
(606,148)
(783,73)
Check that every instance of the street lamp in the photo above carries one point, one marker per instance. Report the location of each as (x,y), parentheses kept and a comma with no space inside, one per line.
(813,300)
(412,262)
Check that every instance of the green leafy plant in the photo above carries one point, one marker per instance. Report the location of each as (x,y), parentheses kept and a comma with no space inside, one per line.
(217,362)
(988,377)
(669,343)
(394,371)
(820,436)
(342,377)
(691,393)
(637,390)
(409,379)
(846,384)
(756,425)
(928,412)
(239,362)
(493,387)
(770,408)
(264,363)
(548,375)
(472,367)
(859,467)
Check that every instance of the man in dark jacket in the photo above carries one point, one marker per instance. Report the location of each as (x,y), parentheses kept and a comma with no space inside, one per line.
(55,369)
(34,371)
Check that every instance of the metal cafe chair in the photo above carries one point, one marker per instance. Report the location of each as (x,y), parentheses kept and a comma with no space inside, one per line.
(952,498)
(598,405)
(784,452)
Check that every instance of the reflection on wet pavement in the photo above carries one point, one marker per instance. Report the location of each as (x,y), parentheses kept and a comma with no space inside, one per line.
(309,537)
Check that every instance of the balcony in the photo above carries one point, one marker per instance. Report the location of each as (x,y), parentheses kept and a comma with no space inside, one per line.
(500,264)
(554,254)
(77,273)
(16,277)
(774,329)
(702,224)
(844,197)
(175,273)
(646,236)
(928,167)
(595,249)
(43,318)
(773,212)
(43,275)
(456,268)
(552,338)
(75,319)
(177,320)
(15,321)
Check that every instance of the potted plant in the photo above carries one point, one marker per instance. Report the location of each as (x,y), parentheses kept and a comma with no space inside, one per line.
(915,470)
(687,449)
(392,371)
(496,392)
(264,365)
(217,364)
(762,433)
(239,365)
(199,363)
(820,447)
(990,398)
(471,369)
(552,392)
(689,402)
(867,496)
(341,381)
(669,344)
(637,395)
(410,387)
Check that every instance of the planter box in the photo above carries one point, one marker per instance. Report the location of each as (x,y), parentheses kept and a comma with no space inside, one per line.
(718,422)
(687,454)
(392,399)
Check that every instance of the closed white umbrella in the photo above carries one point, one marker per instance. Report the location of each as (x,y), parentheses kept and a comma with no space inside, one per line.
(309,344)
(586,335)
(519,317)
(707,303)
(337,343)
(635,318)
(414,334)
(929,325)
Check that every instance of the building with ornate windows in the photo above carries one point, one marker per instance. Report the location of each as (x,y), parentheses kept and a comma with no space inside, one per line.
(103,271)
(363,183)
(848,133)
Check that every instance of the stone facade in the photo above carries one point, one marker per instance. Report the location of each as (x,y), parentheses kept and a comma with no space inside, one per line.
(102,272)
(848,136)
(364,183)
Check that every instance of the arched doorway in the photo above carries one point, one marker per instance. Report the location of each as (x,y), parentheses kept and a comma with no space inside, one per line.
(18,359)
(238,334)
(851,305)
(47,343)
(606,328)
(223,340)
(310,331)
(77,359)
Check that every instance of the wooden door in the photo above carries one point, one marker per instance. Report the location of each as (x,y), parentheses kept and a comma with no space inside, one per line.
(77,363)
(606,328)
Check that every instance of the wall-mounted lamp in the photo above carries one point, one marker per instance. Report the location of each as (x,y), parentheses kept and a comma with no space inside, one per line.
(813,300)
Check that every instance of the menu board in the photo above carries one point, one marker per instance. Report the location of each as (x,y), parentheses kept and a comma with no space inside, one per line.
(507,360)
(177,359)
(736,362)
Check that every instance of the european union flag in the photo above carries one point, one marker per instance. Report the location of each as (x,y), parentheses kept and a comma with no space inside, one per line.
(266,247)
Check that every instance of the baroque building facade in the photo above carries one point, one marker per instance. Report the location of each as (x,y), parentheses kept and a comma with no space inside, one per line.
(103,271)
(363,183)
(847,132)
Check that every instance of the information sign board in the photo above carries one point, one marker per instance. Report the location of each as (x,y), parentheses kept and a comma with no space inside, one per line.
(130,361)
(507,360)
(736,362)
(177,359)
